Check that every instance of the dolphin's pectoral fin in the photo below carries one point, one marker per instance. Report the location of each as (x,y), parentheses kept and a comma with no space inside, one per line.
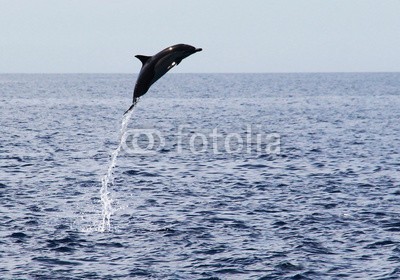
(178,61)
(143,58)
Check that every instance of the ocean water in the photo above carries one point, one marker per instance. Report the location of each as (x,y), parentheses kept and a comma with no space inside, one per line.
(218,176)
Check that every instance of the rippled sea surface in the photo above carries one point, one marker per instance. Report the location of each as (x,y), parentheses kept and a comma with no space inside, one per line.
(318,200)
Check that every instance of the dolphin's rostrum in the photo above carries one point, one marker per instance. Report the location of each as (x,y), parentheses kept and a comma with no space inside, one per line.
(154,67)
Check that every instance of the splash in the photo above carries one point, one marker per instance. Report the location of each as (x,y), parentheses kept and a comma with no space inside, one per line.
(108,179)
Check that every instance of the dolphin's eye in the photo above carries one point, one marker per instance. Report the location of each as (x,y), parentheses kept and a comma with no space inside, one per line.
(173,63)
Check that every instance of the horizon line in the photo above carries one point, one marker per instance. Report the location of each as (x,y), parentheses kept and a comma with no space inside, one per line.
(128,73)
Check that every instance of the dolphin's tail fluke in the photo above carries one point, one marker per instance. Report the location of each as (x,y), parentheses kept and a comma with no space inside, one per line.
(135,101)
(130,108)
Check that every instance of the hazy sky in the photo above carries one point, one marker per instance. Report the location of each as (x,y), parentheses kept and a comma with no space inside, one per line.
(95,36)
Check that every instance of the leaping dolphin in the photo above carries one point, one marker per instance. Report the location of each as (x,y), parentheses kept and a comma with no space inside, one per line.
(154,67)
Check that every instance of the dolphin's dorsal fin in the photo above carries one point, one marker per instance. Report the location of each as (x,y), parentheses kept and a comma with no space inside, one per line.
(143,58)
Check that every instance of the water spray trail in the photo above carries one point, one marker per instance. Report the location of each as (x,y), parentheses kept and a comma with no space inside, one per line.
(108,179)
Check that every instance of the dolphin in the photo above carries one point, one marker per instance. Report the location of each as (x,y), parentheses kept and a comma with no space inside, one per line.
(154,67)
